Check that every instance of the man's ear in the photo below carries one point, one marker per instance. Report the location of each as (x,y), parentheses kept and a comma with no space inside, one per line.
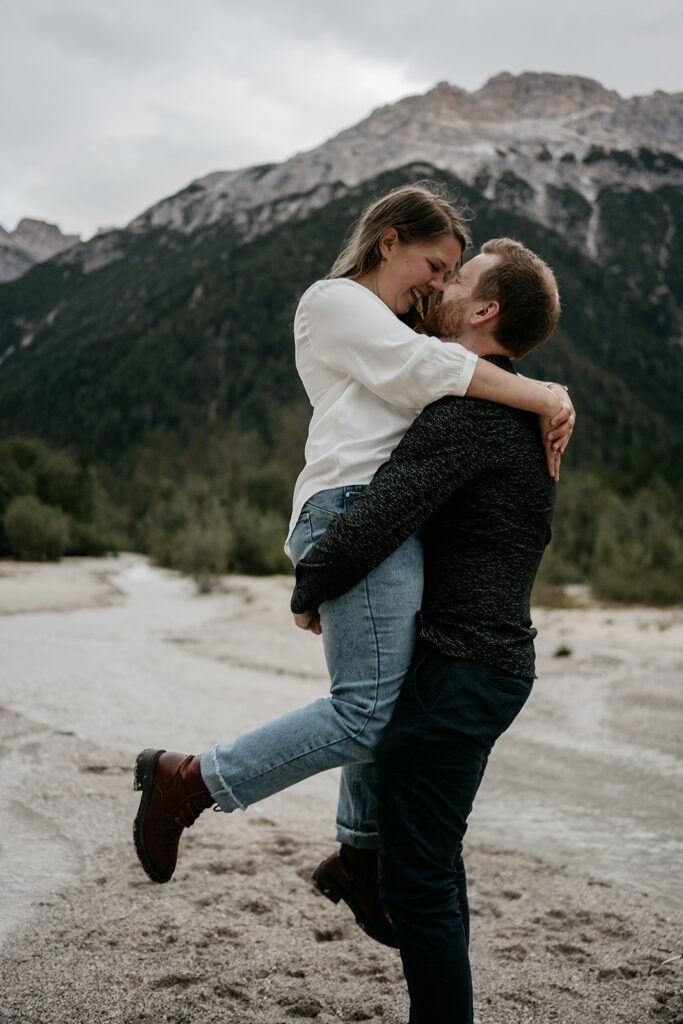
(388,241)
(485,310)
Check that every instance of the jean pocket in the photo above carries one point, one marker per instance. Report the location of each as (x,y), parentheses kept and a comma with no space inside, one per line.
(319,520)
(301,539)
(513,686)
(427,682)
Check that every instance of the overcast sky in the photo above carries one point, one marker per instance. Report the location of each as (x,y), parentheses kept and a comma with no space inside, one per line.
(107,107)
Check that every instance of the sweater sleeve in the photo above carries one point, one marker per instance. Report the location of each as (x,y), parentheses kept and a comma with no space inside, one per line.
(351,331)
(441,451)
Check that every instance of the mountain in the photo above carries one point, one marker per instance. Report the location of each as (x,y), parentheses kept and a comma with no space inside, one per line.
(560,150)
(31,242)
(179,325)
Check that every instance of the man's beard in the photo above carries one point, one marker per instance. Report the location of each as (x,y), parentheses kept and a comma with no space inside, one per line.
(448,319)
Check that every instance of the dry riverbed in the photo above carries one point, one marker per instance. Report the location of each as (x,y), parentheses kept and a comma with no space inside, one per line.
(574,850)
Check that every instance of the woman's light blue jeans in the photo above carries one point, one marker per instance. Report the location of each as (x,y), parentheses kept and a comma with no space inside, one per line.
(369,637)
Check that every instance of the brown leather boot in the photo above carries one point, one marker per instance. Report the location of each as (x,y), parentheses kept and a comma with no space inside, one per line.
(173,797)
(351,875)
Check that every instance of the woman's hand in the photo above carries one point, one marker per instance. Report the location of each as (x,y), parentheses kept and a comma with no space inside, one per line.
(556,429)
(308,620)
(562,424)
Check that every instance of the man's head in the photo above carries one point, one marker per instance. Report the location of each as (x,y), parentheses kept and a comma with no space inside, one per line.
(504,300)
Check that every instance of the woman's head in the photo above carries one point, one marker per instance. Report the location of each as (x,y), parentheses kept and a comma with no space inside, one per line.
(403,245)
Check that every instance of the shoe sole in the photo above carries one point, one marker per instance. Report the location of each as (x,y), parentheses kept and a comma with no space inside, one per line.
(331,891)
(143,779)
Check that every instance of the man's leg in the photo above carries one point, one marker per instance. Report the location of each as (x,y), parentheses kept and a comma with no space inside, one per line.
(431,761)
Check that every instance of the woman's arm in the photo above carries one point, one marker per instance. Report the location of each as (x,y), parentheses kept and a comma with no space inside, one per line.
(497,385)
(351,331)
(549,401)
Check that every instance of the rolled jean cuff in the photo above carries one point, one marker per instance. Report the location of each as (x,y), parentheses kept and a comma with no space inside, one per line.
(359,840)
(216,784)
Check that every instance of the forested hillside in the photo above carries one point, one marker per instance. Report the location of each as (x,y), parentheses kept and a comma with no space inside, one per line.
(163,362)
(193,332)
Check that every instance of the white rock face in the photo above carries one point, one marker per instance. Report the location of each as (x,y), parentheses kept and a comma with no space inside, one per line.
(538,128)
(536,143)
(13,260)
(32,241)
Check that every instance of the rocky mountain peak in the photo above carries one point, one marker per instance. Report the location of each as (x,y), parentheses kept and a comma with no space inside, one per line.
(527,142)
(32,241)
(543,94)
(40,239)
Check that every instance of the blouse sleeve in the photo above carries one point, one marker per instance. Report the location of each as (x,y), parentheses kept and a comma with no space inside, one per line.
(357,335)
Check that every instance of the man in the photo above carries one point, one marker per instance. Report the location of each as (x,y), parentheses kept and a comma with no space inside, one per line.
(473,475)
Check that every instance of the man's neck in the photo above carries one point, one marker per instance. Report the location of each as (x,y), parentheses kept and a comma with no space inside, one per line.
(480,344)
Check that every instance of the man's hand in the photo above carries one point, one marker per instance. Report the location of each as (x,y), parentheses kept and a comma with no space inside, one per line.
(309,620)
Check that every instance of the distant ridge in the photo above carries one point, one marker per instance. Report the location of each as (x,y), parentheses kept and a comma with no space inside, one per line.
(32,241)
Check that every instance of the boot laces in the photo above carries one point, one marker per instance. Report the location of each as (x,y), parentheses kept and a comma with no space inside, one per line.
(189,811)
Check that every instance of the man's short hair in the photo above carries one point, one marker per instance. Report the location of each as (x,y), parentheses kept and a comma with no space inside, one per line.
(526,291)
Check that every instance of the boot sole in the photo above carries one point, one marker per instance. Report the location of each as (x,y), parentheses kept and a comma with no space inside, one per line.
(143,779)
(331,891)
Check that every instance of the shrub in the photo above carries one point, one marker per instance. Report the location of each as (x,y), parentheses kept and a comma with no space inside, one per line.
(258,541)
(267,487)
(92,539)
(202,549)
(581,499)
(62,482)
(34,531)
(639,550)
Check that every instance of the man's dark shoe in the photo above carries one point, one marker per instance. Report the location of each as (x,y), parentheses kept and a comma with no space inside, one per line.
(351,875)
(173,797)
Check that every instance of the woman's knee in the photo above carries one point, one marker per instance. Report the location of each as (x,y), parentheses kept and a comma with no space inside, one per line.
(365,723)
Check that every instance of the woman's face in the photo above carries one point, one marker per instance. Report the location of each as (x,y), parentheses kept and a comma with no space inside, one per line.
(412,270)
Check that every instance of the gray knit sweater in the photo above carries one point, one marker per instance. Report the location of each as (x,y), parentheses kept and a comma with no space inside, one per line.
(473,475)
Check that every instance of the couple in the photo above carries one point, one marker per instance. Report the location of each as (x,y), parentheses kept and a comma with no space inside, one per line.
(472,475)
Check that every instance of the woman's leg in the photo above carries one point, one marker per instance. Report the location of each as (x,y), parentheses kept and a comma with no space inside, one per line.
(357,806)
(369,636)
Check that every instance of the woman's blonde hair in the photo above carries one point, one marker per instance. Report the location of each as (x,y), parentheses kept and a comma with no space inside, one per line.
(418,212)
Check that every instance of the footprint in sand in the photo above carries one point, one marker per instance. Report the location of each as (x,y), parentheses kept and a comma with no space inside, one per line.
(304,1006)
(283,846)
(516,952)
(328,934)
(255,907)
(224,991)
(176,981)
(567,949)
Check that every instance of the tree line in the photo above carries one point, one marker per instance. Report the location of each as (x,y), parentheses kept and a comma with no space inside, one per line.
(223,508)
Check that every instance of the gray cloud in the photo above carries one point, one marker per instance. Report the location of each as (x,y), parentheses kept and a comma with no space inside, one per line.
(114,105)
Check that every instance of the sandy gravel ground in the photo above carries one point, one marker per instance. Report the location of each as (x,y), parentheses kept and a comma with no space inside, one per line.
(574,851)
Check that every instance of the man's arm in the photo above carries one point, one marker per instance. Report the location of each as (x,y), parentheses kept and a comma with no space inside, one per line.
(445,446)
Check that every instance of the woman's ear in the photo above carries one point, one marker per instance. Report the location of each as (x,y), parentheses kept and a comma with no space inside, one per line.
(388,241)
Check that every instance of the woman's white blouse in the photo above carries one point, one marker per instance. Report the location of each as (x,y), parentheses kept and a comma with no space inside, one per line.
(367,376)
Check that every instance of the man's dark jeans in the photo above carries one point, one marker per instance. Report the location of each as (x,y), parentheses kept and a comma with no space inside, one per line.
(431,760)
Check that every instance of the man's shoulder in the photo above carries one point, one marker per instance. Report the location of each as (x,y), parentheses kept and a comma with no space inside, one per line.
(466,409)
(458,422)
(497,431)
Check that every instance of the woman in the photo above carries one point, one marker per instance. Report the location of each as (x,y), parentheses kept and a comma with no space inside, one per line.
(367,375)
